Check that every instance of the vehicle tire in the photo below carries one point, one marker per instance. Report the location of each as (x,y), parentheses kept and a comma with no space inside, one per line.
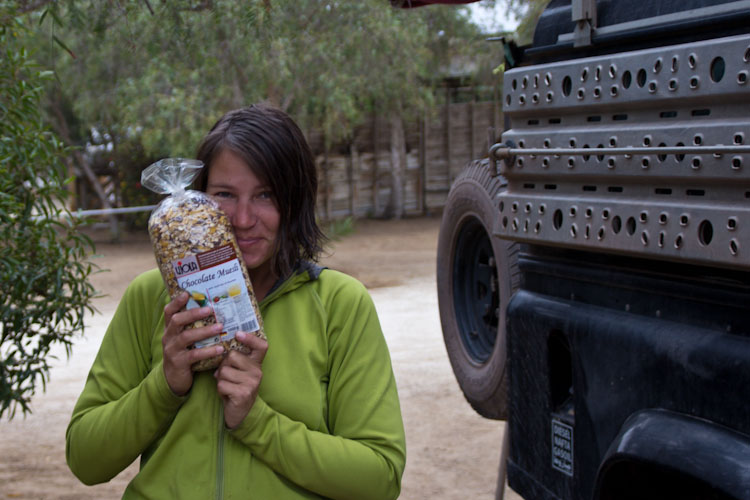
(476,275)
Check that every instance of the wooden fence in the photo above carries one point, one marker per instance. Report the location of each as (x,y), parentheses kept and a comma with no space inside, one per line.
(355,178)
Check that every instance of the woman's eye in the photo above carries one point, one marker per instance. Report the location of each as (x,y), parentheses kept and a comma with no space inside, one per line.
(222,194)
(265,195)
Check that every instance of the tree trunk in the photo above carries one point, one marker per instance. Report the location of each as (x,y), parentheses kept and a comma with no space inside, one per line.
(398,167)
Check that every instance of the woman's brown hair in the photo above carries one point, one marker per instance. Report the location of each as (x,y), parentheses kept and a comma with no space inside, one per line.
(276,150)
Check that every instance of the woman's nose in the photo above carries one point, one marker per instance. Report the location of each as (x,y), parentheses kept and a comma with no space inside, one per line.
(244,215)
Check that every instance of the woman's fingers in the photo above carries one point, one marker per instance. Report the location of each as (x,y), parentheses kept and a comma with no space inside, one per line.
(258,346)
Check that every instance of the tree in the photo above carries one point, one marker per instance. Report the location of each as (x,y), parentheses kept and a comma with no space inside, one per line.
(161,72)
(43,258)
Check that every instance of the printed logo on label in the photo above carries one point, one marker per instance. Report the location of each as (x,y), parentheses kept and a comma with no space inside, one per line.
(185,266)
(562,447)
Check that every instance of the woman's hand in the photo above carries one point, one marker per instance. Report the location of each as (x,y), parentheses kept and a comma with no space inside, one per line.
(238,378)
(178,358)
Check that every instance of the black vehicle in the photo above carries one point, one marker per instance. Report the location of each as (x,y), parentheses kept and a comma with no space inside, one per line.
(594,272)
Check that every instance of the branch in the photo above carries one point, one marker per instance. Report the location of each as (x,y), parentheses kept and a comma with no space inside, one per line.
(25,6)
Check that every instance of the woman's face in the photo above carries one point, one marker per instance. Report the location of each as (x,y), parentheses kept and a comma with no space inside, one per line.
(250,205)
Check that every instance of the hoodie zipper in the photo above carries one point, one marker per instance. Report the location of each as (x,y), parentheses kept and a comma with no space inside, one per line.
(220,456)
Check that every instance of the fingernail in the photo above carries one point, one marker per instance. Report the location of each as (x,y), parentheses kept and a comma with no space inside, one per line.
(218,327)
(241,335)
(205,310)
(219,349)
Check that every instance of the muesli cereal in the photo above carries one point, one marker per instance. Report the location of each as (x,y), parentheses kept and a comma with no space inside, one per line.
(197,252)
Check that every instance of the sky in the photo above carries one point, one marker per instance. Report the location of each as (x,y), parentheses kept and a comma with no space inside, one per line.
(492,19)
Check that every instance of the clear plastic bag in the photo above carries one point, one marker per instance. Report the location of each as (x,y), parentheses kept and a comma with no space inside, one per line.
(197,252)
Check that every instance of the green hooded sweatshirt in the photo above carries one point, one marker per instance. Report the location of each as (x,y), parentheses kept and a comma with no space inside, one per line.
(326,423)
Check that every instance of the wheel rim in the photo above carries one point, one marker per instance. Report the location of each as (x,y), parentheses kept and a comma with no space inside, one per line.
(476,295)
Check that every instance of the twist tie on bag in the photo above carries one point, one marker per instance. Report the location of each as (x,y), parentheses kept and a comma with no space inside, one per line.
(170,175)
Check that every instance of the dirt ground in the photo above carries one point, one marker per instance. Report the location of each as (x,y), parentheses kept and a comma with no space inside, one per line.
(452,452)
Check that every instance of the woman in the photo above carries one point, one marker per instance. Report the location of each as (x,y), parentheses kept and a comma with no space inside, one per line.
(313,412)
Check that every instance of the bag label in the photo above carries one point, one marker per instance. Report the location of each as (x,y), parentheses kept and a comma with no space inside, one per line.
(214,278)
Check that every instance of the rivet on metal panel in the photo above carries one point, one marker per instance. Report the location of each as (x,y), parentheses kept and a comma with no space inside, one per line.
(526,226)
(508,99)
(645,163)
(573,210)
(698,139)
(587,231)
(737,163)
(573,230)
(535,98)
(692,61)
(504,222)
(584,73)
(663,218)
(525,82)
(537,226)
(657,64)
(662,236)
(732,223)
(514,206)
(646,140)
(611,163)
(613,90)
(746,58)
(598,73)
(514,225)
(597,92)
(605,214)
(739,138)
(589,212)
(673,84)
(545,162)
(600,234)
(581,93)
(536,81)
(571,162)
(548,79)
(542,208)
(644,238)
(653,86)
(643,216)
(522,99)
(695,82)
(514,84)
(675,63)
(742,77)
(684,219)
(612,71)
(527,208)
(695,164)
(550,96)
